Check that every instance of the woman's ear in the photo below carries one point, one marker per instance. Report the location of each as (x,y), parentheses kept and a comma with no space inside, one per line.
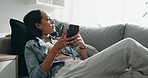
(38,25)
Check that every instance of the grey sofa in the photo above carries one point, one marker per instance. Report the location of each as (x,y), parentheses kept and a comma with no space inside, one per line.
(99,37)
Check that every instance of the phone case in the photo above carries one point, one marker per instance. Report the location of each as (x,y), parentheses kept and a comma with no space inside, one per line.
(73,30)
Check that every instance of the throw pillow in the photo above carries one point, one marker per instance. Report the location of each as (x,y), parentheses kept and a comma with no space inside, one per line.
(18,37)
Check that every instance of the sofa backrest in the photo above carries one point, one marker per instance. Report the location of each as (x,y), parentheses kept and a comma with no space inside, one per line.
(137,32)
(102,37)
(5,45)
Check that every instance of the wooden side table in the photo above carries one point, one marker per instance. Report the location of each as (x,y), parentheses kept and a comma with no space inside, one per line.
(8,66)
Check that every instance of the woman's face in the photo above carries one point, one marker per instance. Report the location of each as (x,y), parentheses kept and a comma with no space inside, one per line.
(47,24)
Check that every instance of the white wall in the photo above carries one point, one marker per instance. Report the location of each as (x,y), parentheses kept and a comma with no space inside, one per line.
(17,9)
(94,12)
(83,12)
(134,10)
(108,12)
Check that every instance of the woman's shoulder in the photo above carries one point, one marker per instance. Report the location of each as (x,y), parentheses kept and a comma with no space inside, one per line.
(32,42)
(36,42)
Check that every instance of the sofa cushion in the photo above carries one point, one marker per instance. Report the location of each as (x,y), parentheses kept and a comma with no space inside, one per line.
(18,39)
(5,45)
(102,37)
(137,32)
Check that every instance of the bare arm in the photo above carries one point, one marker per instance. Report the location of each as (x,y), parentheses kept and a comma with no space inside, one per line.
(83,52)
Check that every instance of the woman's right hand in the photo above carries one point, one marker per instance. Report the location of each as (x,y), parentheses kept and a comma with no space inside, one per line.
(62,42)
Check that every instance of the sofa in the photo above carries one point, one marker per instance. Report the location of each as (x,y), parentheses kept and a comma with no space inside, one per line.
(98,37)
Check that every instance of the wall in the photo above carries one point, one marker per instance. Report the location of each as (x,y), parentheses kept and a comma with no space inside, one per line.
(134,11)
(17,9)
(96,12)
(108,12)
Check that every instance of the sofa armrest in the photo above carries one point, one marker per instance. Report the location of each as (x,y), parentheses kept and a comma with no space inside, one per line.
(5,45)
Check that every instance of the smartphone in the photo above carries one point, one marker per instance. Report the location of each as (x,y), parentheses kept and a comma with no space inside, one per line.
(73,30)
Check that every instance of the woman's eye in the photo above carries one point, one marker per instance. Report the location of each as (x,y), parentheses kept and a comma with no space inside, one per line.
(48,18)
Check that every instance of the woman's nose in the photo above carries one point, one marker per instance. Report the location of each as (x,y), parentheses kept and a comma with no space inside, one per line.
(52,21)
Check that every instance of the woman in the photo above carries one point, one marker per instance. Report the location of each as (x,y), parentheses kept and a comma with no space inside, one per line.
(46,59)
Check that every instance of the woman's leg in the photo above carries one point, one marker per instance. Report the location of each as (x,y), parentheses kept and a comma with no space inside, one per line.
(113,61)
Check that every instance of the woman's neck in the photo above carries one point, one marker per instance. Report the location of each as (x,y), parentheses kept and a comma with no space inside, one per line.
(45,38)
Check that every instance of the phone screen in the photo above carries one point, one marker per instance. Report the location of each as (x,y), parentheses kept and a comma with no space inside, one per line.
(73,30)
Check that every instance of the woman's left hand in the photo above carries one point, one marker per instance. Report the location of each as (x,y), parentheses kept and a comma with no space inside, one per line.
(78,40)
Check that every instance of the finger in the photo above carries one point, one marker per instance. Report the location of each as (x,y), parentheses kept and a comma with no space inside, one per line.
(65,40)
(76,41)
(68,39)
(67,43)
(64,34)
(78,31)
(78,36)
(75,36)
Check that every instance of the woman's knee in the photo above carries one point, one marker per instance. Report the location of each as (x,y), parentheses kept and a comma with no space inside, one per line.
(130,41)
